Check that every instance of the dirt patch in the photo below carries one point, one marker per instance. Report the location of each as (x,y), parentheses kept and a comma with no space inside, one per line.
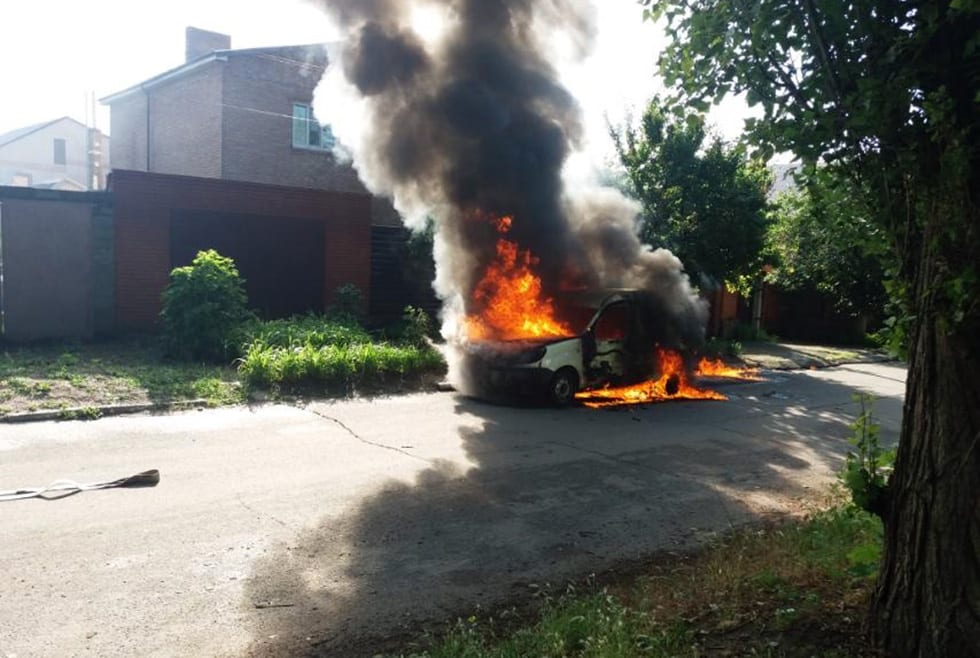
(61,376)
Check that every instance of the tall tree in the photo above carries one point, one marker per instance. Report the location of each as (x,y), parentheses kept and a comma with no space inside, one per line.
(822,237)
(704,202)
(886,91)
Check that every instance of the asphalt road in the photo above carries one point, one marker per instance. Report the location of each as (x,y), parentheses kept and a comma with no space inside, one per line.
(292,531)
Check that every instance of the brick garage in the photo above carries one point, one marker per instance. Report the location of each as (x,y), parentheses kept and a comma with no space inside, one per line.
(294,246)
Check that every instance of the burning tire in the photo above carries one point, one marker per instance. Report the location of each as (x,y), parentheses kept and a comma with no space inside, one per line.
(563,387)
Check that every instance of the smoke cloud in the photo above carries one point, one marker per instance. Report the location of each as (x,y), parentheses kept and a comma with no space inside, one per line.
(469,121)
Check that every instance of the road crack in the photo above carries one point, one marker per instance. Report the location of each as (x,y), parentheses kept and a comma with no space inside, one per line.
(259,512)
(368,442)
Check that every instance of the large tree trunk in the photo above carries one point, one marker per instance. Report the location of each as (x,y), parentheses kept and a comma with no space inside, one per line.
(927,602)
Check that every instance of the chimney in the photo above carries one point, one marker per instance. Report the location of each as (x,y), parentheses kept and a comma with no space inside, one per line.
(198,42)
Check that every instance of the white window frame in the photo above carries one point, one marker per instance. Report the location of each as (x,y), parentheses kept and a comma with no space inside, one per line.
(307,133)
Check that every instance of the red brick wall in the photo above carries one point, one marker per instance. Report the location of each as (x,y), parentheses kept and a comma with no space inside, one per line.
(723,311)
(144,203)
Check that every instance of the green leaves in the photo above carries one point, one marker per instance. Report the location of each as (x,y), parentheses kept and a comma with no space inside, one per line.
(204,308)
(867,470)
(823,237)
(703,201)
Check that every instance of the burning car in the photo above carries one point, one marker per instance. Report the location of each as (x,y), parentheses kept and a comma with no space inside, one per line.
(613,342)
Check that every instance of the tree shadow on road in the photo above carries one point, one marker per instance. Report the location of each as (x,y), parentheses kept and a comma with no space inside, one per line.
(544,496)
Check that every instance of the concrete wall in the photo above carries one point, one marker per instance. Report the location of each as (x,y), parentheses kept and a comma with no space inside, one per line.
(50,277)
(33,155)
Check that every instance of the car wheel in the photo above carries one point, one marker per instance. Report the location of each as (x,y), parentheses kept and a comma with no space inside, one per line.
(564,386)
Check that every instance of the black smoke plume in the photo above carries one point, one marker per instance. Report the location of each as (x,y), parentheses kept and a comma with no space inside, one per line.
(473,124)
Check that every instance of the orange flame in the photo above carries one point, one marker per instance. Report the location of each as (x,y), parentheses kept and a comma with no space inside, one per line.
(510,297)
(673,384)
(718,368)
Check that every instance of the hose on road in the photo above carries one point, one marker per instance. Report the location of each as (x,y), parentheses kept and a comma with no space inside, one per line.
(63,488)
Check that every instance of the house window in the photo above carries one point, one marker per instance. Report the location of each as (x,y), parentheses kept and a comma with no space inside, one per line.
(307,131)
(59,151)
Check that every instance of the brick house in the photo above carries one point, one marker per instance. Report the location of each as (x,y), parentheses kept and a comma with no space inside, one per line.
(240,115)
(244,117)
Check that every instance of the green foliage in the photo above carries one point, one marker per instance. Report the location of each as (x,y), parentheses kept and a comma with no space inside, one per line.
(348,306)
(313,330)
(882,93)
(751,591)
(595,625)
(894,335)
(718,347)
(822,237)
(80,413)
(204,309)
(706,203)
(416,326)
(867,470)
(339,367)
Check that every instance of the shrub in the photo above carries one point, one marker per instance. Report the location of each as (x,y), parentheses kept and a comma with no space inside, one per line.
(204,309)
(348,305)
(416,326)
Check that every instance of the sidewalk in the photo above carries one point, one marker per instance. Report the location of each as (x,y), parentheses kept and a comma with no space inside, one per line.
(789,356)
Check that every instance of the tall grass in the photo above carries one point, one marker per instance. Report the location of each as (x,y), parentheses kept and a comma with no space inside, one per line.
(312,351)
(302,330)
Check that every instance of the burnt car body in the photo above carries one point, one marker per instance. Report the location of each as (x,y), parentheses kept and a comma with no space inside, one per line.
(616,344)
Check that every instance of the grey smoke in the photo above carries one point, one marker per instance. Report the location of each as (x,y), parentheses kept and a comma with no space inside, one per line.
(477,125)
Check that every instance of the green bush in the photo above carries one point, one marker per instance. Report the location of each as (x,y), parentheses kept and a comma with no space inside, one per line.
(204,309)
(348,306)
(416,326)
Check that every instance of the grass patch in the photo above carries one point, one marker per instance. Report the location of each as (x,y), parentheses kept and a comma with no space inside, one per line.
(337,367)
(303,354)
(303,330)
(330,355)
(81,413)
(799,589)
(87,375)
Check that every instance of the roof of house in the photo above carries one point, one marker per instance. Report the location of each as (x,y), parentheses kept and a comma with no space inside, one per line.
(64,184)
(214,55)
(17,133)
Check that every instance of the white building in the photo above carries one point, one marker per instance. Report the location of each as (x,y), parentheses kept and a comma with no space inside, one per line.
(63,154)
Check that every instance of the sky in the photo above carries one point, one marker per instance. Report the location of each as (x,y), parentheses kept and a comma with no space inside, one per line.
(55,54)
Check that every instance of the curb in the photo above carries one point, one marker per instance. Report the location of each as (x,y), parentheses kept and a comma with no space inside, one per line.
(96,412)
(809,363)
